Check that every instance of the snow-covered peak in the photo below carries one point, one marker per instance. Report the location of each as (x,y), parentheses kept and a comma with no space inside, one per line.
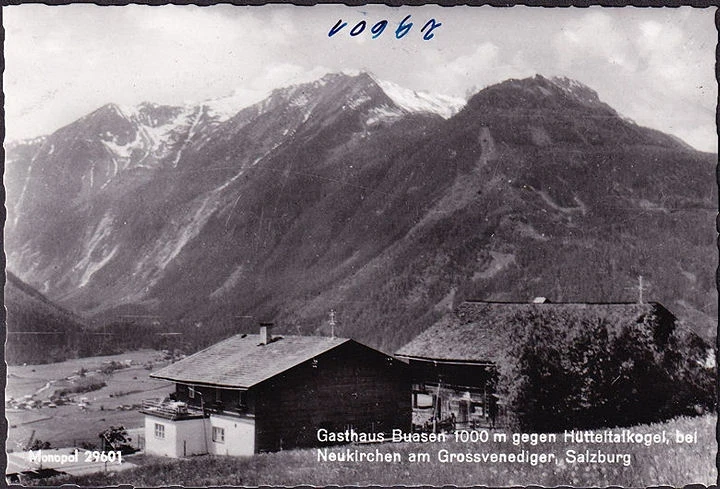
(413,101)
(223,108)
(408,101)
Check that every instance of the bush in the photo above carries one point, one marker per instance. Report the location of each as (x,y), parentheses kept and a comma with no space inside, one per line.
(86,445)
(111,367)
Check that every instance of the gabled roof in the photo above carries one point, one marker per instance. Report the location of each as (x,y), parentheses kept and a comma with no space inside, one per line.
(480,332)
(241,361)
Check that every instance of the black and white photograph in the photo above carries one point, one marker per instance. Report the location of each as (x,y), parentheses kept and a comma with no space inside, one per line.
(332,245)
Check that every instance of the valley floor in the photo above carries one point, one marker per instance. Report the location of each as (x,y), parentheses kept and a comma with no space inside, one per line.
(86,414)
(670,463)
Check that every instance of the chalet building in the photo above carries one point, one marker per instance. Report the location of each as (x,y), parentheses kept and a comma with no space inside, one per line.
(256,393)
(453,364)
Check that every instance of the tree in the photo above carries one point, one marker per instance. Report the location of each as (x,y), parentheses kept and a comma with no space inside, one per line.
(567,371)
(40,445)
(115,438)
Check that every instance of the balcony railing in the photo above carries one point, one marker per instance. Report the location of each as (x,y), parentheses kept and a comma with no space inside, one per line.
(171,410)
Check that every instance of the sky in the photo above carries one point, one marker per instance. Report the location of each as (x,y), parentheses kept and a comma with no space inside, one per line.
(653,65)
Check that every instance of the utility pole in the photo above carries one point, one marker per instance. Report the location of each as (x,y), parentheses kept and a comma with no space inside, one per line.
(202,409)
(640,288)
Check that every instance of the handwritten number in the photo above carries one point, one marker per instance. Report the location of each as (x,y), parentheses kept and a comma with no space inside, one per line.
(355,32)
(403,28)
(433,25)
(336,28)
(378,28)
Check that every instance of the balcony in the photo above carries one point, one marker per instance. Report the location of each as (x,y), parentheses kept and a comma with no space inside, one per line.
(171,410)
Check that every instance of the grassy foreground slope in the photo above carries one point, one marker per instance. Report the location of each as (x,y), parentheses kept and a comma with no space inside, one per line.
(673,464)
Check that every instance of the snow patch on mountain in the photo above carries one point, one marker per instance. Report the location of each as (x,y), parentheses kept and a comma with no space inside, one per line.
(231,281)
(407,101)
(20,199)
(94,267)
(188,229)
(384,113)
(130,112)
(155,138)
(89,264)
(358,101)
(299,101)
(412,101)
(12,144)
(577,90)
(175,236)
(114,174)
(123,150)
(273,148)
(191,133)
(224,108)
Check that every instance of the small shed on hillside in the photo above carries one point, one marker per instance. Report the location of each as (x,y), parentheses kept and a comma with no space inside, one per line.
(255,393)
(454,364)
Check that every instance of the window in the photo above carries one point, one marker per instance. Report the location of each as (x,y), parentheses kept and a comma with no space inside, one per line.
(218,395)
(191,392)
(218,434)
(242,399)
(159,430)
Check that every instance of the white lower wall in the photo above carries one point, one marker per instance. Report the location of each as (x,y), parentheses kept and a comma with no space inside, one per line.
(165,446)
(190,438)
(184,438)
(239,435)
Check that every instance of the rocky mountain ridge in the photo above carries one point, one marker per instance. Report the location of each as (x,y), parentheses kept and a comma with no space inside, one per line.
(353,194)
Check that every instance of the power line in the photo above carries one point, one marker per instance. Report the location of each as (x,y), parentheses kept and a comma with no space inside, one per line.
(84,333)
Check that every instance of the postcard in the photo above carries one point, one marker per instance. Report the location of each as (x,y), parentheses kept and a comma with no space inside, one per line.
(287,245)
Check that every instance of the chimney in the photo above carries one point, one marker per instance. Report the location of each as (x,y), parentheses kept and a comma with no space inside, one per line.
(265,334)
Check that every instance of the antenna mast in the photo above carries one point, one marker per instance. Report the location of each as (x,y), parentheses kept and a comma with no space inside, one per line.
(332,323)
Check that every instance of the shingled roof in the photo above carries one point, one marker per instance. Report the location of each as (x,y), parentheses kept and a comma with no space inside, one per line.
(480,332)
(242,361)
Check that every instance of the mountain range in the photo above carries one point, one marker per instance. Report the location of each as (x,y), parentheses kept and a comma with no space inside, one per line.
(386,205)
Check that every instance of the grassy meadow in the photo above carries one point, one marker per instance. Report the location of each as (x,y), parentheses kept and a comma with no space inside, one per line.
(668,464)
